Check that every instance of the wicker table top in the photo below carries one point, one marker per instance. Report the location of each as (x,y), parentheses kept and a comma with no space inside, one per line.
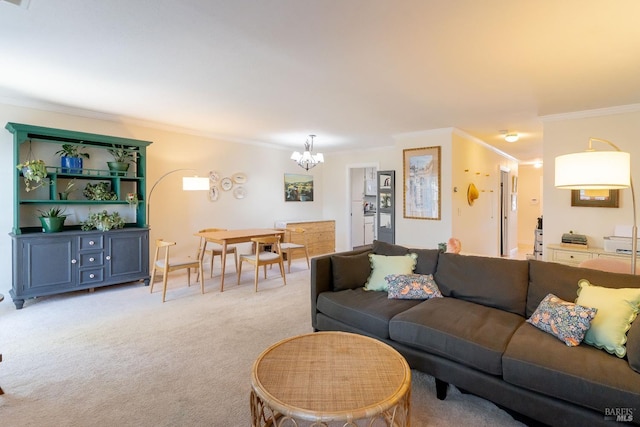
(331,376)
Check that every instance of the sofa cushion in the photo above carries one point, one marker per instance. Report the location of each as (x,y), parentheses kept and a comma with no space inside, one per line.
(564,320)
(388,249)
(412,286)
(427,258)
(383,265)
(369,311)
(494,282)
(350,271)
(562,280)
(633,346)
(582,375)
(472,334)
(617,308)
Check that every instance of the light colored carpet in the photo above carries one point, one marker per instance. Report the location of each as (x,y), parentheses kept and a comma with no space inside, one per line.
(118,356)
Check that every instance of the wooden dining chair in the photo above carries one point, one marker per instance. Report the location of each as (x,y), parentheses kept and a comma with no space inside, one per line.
(166,264)
(215,249)
(295,240)
(263,257)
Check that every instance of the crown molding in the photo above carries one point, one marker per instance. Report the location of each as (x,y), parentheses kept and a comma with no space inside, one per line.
(620,109)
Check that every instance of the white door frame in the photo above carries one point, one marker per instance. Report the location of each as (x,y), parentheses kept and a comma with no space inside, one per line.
(350,166)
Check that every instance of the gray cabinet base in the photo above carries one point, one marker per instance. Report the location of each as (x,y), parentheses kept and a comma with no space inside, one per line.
(54,263)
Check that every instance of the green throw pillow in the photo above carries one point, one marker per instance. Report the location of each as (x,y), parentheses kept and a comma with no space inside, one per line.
(382,266)
(617,308)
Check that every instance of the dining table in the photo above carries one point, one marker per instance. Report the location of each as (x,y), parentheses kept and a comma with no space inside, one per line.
(230,237)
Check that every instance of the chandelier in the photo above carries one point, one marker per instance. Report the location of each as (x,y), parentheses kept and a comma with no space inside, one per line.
(307,160)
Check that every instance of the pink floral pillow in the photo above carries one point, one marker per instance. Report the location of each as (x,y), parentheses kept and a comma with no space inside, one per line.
(564,320)
(412,286)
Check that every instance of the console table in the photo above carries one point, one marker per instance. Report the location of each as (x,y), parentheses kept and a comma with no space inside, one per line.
(571,255)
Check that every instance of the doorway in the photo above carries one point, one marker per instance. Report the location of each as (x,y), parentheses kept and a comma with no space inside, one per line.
(505,204)
(362,204)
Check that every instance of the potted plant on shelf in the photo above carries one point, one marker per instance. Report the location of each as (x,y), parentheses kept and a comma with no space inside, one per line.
(52,220)
(99,191)
(64,195)
(71,158)
(102,221)
(34,173)
(122,157)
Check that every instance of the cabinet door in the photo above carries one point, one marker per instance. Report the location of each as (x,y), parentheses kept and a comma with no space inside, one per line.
(386,220)
(369,230)
(47,266)
(127,255)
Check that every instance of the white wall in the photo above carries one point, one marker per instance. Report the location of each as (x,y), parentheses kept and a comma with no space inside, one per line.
(570,133)
(478,225)
(529,203)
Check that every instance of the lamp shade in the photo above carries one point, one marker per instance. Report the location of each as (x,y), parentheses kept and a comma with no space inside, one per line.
(593,170)
(195,183)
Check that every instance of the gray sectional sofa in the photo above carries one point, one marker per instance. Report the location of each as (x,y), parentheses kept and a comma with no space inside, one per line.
(476,337)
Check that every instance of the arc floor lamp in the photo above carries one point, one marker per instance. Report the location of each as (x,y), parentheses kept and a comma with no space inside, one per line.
(189,183)
(599,170)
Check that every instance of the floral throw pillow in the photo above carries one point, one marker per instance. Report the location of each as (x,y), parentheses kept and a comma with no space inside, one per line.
(412,286)
(565,320)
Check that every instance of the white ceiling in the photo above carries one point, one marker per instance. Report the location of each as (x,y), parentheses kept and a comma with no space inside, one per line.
(354,72)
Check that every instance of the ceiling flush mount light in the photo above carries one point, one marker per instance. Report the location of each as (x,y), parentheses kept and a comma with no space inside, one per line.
(599,170)
(511,137)
(307,160)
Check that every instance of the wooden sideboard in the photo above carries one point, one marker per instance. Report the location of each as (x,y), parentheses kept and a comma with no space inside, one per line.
(574,256)
(320,236)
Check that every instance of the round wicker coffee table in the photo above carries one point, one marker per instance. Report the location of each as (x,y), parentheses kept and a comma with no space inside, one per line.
(330,379)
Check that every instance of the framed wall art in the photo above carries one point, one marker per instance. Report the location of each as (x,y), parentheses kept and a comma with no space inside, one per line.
(298,188)
(595,198)
(421,176)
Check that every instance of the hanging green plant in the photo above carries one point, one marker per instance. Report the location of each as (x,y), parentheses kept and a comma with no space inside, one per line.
(102,221)
(99,191)
(34,173)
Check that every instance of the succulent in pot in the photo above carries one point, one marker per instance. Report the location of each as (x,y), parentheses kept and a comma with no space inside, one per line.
(52,219)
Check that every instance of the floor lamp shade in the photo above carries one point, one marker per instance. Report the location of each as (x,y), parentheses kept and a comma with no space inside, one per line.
(195,183)
(599,170)
(593,170)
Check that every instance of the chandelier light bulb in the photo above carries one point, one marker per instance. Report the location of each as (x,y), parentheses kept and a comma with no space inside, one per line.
(307,159)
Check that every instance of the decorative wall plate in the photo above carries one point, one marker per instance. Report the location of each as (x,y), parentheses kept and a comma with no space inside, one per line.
(213,194)
(239,192)
(214,177)
(239,178)
(226,184)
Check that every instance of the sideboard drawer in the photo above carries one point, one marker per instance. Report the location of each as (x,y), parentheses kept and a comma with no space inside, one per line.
(570,257)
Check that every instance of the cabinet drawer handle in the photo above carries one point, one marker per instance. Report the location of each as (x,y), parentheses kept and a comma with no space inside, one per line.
(73,261)
(91,243)
(92,259)
(108,257)
(91,276)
